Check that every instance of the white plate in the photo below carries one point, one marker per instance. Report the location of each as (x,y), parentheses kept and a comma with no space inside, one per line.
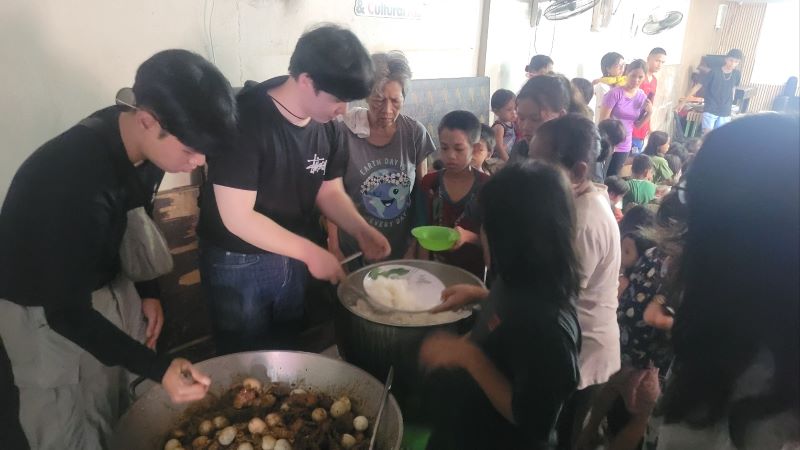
(424,289)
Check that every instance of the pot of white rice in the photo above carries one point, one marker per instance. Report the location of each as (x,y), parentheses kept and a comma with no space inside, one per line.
(384,315)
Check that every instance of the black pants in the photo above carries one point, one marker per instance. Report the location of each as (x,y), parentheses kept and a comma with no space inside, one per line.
(11,435)
(616,163)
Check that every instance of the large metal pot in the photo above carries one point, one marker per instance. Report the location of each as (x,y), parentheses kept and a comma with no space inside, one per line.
(375,339)
(153,416)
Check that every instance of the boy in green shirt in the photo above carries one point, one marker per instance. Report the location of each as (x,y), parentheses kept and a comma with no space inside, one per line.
(642,190)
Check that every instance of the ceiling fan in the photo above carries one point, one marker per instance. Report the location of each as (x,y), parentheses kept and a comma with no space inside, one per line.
(564,9)
(535,11)
(654,26)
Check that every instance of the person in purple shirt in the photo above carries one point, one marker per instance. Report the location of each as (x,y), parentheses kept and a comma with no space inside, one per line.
(629,105)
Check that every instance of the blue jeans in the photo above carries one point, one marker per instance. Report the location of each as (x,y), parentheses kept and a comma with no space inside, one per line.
(637,145)
(251,297)
(712,122)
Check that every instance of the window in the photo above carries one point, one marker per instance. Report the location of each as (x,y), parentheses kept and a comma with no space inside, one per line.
(778,50)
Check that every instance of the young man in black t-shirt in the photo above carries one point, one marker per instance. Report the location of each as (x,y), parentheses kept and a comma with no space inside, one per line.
(73,239)
(719,87)
(259,206)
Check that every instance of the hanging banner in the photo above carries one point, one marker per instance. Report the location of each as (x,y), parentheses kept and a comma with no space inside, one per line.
(389,9)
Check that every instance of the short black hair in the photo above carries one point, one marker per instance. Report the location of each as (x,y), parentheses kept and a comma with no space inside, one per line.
(641,164)
(636,64)
(679,150)
(734,53)
(674,162)
(640,241)
(539,62)
(636,219)
(532,246)
(189,97)
(500,98)
(464,121)
(554,92)
(585,87)
(438,164)
(613,130)
(693,145)
(572,138)
(617,185)
(335,60)
(487,135)
(671,210)
(608,60)
(657,51)
(612,133)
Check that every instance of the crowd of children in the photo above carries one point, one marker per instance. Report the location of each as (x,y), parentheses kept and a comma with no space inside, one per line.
(629,235)
(602,289)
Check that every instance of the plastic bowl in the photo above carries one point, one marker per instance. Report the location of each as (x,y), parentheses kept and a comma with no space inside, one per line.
(435,239)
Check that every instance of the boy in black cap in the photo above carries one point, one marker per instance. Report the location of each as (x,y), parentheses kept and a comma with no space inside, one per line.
(74,237)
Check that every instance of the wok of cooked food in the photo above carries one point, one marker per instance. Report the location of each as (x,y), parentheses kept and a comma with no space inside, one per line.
(275,416)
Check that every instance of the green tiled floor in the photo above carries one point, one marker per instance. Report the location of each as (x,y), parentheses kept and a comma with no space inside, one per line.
(415,437)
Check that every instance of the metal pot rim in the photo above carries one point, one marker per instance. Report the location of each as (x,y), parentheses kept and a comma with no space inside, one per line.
(154,402)
(357,276)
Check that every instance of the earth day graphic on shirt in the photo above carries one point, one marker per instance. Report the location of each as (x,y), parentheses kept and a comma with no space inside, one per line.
(385,193)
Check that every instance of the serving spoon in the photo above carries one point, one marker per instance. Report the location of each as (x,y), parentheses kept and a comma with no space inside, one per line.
(386,389)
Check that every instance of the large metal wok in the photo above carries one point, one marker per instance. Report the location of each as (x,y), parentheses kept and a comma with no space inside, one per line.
(145,425)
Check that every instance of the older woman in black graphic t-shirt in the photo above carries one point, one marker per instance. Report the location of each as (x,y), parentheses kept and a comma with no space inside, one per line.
(387,154)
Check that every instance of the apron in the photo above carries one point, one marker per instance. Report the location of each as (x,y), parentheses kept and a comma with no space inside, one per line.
(68,399)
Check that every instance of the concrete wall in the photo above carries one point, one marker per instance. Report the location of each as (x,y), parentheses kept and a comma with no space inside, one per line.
(701,34)
(576,49)
(742,30)
(64,59)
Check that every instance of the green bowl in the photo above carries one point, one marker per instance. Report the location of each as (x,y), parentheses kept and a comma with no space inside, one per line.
(435,239)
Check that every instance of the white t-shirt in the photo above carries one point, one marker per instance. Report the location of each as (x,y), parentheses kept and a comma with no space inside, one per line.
(600,91)
(598,249)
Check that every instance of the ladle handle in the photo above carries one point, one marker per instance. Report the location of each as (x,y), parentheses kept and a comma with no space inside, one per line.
(386,389)
(350,258)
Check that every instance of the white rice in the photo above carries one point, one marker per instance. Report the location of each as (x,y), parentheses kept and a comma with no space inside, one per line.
(393,293)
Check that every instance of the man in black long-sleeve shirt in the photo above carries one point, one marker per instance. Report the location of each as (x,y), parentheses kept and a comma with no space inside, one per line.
(67,302)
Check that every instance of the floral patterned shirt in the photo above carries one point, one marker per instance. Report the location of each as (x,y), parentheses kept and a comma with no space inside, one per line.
(641,343)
